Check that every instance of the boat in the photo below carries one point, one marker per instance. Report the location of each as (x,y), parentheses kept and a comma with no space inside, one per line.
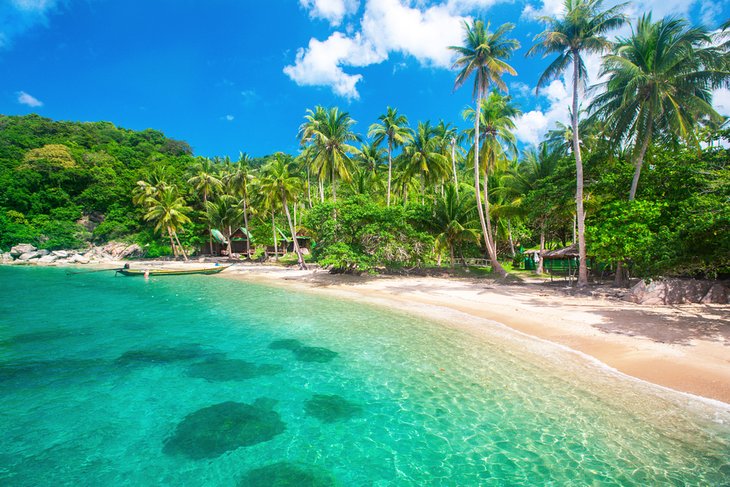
(171,272)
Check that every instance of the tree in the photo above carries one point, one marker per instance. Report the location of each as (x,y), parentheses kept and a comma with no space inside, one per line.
(278,181)
(455,221)
(205,182)
(168,211)
(330,133)
(483,55)
(581,29)
(393,128)
(422,157)
(498,142)
(660,82)
(224,213)
(238,180)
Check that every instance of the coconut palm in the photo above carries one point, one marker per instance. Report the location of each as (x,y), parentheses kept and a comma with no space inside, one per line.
(168,211)
(278,182)
(450,140)
(329,132)
(483,55)
(422,157)
(659,84)
(455,220)
(205,181)
(580,30)
(498,142)
(393,128)
(238,180)
(226,214)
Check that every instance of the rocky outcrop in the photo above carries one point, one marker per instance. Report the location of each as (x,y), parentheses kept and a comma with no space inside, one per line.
(678,291)
(24,257)
(6,258)
(21,249)
(48,259)
(119,250)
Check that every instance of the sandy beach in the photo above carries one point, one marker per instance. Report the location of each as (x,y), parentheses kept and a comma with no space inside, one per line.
(685,348)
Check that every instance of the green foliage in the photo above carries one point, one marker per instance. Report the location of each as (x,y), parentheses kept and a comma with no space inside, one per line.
(366,236)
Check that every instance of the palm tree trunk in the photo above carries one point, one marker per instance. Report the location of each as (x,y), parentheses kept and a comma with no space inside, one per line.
(453,165)
(245,223)
(580,214)
(487,215)
(451,255)
(172,242)
(300,259)
(182,250)
(321,190)
(229,247)
(639,162)
(540,268)
(273,230)
(309,188)
(390,168)
(210,232)
(511,242)
(334,189)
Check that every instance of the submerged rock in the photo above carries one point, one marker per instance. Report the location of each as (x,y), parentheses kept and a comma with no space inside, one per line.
(304,353)
(285,344)
(220,369)
(214,430)
(164,355)
(331,408)
(287,474)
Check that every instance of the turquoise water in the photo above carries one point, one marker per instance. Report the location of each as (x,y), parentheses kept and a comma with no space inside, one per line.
(196,380)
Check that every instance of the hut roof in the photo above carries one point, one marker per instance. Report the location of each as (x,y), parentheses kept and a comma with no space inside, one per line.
(564,253)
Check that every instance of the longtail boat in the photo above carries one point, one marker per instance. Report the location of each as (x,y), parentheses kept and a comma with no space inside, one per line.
(171,272)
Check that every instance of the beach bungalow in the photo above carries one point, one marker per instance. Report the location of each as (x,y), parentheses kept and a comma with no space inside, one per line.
(238,240)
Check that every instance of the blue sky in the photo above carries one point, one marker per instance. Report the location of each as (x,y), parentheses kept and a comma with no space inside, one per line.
(229,76)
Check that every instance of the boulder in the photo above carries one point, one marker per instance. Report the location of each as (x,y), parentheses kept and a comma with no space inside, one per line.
(42,252)
(677,291)
(21,249)
(120,250)
(62,254)
(716,295)
(78,259)
(6,258)
(28,256)
(47,259)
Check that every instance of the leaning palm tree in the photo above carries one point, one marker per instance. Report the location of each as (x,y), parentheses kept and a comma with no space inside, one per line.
(279,183)
(660,82)
(205,181)
(581,29)
(168,211)
(499,143)
(393,128)
(329,131)
(483,55)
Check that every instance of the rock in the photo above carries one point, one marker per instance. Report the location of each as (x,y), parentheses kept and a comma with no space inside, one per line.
(6,258)
(676,291)
(716,295)
(78,259)
(28,256)
(60,253)
(21,249)
(43,252)
(120,250)
(47,259)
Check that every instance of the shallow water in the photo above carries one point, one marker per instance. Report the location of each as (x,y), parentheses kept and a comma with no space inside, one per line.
(194,380)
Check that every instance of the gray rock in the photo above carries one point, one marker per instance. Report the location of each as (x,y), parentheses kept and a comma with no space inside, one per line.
(677,291)
(716,295)
(60,253)
(43,252)
(78,259)
(47,259)
(28,256)
(6,258)
(21,249)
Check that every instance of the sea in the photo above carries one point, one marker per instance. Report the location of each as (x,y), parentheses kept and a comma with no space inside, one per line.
(207,381)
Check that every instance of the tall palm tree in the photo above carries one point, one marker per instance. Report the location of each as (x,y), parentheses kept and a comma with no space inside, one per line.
(329,131)
(581,29)
(239,180)
(449,139)
(483,55)
(498,142)
(422,157)
(225,213)
(278,181)
(205,181)
(455,220)
(393,128)
(660,82)
(168,211)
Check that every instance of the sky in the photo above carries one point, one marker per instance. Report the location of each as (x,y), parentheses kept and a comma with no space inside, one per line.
(231,76)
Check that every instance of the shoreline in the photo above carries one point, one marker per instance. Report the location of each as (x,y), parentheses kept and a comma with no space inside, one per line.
(696,362)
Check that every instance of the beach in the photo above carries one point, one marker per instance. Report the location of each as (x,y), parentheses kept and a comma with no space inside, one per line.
(685,348)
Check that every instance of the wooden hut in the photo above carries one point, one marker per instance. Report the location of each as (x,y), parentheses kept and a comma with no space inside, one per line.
(239,239)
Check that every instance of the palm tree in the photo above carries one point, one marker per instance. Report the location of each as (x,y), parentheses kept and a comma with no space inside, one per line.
(659,84)
(393,128)
(168,211)
(225,213)
(422,157)
(580,30)
(499,143)
(239,180)
(450,138)
(330,133)
(455,220)
(483,55)
(205,182)
(278,181)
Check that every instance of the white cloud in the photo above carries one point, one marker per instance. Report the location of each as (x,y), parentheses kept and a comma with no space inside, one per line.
(320,63)
(229,118)
(18,16)
(413,28)
(334,11)
(721,101)
(549,8)
(26,99)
